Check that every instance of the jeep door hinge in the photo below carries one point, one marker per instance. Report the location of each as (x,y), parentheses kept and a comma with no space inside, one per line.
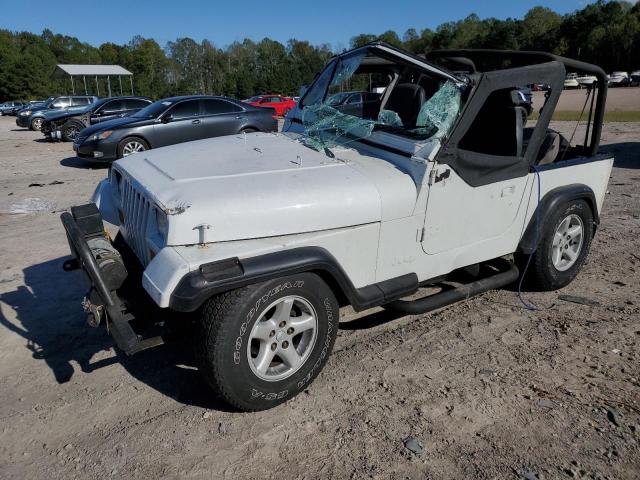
(432,174)
(435,176)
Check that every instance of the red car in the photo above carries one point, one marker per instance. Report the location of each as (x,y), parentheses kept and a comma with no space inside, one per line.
(280,104)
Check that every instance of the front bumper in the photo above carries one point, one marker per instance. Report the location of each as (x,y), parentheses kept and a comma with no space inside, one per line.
(23,121)
(101,303)
(87,150)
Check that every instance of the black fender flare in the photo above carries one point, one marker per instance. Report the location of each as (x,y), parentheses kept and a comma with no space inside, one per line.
(251,126)
(213,278)
(550,202)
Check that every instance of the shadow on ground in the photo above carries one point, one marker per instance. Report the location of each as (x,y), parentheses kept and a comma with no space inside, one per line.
(77,162)
(51,320)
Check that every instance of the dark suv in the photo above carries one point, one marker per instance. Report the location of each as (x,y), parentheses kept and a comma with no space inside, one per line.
(32,117)
(66,125)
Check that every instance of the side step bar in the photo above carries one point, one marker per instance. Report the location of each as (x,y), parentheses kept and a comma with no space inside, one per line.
(463,292)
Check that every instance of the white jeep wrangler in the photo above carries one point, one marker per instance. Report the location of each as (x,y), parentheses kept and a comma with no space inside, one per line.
(391,174)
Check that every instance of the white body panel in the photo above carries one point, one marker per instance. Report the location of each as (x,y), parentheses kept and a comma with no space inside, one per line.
(355,248)
(264,185)
(372,208)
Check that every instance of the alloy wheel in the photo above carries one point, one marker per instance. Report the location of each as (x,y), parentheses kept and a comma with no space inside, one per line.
(567,242)
(282,339)
(132,147)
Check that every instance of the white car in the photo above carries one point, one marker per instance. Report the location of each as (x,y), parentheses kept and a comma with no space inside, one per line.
(262,237)
(571,81)
(619,79)
(586,80)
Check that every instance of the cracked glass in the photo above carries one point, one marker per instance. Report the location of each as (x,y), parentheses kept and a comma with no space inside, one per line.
(359,94)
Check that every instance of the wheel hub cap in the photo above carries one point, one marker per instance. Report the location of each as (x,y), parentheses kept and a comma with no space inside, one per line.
(567,242)
(132,147)
(282,339)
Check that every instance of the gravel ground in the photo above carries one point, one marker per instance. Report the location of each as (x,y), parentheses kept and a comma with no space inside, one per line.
(487,389)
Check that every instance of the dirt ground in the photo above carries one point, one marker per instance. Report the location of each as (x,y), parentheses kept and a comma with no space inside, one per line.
(491,390)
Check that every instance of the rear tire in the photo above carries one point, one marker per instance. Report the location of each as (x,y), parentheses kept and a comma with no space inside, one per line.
(261,345)
(565,240)
(131,145)
(248,130)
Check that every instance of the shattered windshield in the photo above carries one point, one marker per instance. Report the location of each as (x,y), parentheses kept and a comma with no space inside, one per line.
(361,93)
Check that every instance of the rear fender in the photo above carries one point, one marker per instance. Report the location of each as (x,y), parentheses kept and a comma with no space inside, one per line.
(549,203)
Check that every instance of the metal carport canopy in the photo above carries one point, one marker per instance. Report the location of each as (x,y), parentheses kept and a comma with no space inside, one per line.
(93,71)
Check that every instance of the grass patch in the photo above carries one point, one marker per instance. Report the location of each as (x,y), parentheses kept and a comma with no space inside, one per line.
(564,116)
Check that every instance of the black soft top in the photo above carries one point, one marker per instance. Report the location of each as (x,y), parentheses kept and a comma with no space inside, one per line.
(504,62)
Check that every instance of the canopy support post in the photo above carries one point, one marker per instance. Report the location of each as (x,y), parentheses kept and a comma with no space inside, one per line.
(97,86)
(84,79)
(73,88)
(109,84)
(120,80)
(131,81)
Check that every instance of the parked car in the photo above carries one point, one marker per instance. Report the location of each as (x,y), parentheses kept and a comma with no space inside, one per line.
(634,79)
(66,124)
(32,117)
(586,81)
(362,104)
(282,105)
(571,81)
(170,121)
(619,79)
(258,239)
(10,108)
(540,87)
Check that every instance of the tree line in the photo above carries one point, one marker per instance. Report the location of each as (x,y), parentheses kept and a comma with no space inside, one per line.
(606,33)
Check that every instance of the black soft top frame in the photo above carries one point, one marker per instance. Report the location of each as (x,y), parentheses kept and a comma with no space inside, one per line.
(497,60)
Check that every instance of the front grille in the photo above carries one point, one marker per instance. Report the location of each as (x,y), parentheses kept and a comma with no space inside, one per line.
(136,209)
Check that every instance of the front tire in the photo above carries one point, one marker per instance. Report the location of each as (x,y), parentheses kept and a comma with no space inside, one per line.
(563,246)
(70,130)
(131,145)
(36,124)
(261,345)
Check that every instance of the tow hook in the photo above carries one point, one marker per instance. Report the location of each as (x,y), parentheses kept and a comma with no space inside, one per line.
(94,312)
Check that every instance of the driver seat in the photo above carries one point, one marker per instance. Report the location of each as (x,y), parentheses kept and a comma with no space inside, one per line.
(406,99)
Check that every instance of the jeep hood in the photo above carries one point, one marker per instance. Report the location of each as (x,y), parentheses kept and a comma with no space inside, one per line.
(264,185)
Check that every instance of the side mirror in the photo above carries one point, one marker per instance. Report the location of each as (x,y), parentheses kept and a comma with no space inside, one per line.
(303,90)
(166,118)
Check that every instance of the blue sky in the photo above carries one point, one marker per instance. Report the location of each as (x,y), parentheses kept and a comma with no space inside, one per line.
(320,21)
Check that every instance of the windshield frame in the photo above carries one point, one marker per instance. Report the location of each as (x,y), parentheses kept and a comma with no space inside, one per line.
(417,134)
